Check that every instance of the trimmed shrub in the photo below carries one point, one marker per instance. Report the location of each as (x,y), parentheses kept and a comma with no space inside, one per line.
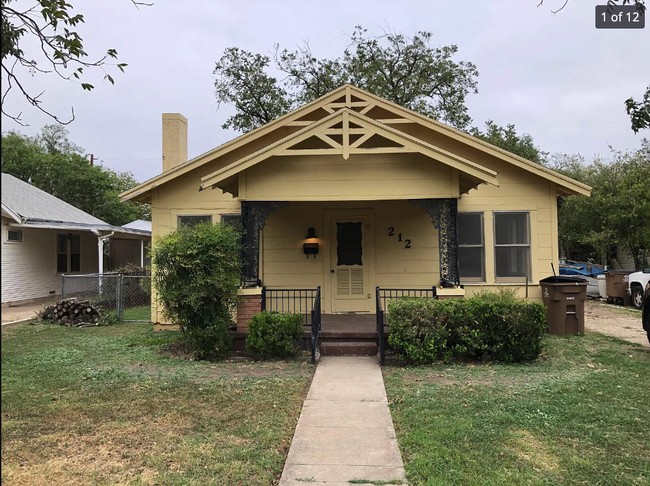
(489,326)
(274,335)
(196,278)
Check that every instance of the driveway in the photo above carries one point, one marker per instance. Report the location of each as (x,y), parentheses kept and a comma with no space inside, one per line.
(620,322)
(25,311)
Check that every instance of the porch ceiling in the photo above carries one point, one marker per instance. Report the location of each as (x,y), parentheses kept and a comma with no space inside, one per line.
(344,133)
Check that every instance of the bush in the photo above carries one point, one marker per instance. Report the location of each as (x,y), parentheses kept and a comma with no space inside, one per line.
(274,335)
(196,277)
(489,326)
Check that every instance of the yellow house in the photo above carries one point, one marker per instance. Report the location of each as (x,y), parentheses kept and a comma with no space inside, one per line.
(352,192)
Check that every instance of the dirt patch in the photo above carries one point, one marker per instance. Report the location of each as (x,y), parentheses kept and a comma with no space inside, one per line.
(621,323)
(110,452)
(527,447)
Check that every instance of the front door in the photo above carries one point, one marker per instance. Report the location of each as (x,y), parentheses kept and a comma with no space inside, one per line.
(349,262)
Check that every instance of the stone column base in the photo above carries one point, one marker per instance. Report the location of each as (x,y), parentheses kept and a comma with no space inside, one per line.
(450,293)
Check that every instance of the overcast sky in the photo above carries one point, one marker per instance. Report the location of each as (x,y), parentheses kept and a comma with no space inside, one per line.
(553,76)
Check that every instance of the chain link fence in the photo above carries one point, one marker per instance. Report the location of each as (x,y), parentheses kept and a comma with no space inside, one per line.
(129,296)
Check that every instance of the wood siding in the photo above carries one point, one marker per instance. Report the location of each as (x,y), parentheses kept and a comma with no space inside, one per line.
(361,177)
(365,183)
(29,267)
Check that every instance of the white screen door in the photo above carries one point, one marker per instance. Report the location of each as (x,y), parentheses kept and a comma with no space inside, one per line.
(349,273)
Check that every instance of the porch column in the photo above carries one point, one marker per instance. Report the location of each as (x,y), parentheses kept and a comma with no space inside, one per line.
(444,216)
(253,218)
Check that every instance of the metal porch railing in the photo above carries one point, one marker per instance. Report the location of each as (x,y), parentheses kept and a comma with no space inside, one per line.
(383,297)
(297,301)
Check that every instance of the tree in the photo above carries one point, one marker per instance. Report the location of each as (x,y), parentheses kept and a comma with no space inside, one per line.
(405,70)
(507,139)
(53,25)
(52,163)
(618,211)
(639,112)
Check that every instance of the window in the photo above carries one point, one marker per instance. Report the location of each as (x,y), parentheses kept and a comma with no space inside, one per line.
(348,238)
(231,219)
(68,253)
(14,235)
(511,245)
(193,220)
(471,247)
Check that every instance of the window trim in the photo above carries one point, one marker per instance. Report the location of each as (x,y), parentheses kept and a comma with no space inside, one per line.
(202,215)
(22,235)
(68,247)
(513,245)
(483,279)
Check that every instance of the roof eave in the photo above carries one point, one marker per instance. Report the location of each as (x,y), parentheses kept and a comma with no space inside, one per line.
(146,186)
(12,214)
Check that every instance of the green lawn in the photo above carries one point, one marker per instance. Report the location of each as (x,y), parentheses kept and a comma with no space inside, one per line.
(577,416)
(103,405)
(140,313)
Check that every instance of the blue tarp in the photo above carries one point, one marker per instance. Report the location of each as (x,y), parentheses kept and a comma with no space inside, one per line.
(581,269)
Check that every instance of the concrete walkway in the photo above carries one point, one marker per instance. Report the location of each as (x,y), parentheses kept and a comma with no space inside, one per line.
(345,430)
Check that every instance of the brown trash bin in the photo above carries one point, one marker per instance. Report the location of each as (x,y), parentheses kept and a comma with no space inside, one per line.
(564,298)
(617,282)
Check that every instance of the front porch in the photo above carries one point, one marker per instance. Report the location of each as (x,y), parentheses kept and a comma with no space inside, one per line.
(346,249)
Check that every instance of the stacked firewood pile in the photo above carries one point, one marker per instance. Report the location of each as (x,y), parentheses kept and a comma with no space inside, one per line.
(72,312)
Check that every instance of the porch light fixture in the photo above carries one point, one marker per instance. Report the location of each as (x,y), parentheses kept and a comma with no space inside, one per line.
(311,246)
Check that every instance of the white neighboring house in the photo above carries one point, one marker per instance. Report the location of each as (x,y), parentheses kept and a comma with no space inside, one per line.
(44,237)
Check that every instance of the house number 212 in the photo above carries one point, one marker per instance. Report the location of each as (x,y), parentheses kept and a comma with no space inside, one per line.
(391,232)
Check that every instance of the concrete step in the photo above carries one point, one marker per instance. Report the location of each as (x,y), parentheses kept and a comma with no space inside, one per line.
(356,348)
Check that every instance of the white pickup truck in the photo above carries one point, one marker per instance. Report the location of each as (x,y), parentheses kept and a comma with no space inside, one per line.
(637,282)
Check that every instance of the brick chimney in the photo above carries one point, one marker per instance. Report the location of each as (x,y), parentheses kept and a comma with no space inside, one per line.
(174,140)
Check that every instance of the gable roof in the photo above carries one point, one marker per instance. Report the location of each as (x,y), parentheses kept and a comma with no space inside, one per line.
(344,97)
(345,116)
(30,203)
(30,206)
(139,224)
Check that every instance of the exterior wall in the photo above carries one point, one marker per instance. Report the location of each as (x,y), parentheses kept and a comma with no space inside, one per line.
(29,267)
(285,265)
(182,197)
(391,177)
(518,191)
(625,260)
(361,177)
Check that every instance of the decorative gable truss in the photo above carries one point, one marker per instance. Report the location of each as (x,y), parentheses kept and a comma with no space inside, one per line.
(361,135)
(346,132)
(344,137)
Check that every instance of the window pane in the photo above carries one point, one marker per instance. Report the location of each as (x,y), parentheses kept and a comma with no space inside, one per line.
(348,237)
(470,229)
(62,263)
(193,220)
(511,228)
(470,262)
(75,244)
(15,235)
(231,220)
(62,243)
(75,262)
(511,262)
